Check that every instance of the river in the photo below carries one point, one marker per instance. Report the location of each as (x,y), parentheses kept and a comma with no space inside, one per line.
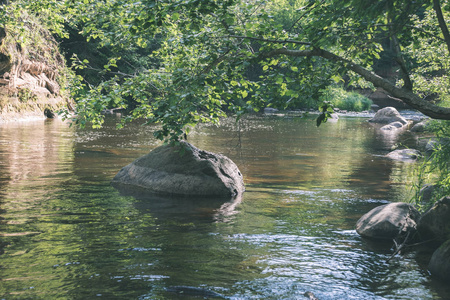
(67,234)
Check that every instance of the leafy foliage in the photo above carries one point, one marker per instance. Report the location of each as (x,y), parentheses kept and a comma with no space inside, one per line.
(435,169)
(179,63)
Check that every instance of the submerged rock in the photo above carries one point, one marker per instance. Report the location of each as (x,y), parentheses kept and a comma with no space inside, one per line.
(183,170)
(388,221)
(388,115)
(404,154)
(310,296)
(439,265)
(435,222)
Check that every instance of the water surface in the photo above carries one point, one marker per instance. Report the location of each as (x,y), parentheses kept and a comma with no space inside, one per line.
(67,234)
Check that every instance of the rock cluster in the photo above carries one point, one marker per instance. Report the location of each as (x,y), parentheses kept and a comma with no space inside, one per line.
(388,115)
(392,221)
(386,222)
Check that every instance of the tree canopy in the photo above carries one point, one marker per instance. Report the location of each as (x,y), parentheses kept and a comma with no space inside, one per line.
(198,60)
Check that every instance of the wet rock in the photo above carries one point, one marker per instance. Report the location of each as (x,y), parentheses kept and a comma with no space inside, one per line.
(183,170)
(420,127)
(416,119)
(392,126)
(310,296)
(388,115)
(439,265)
(435,222)
(388,221)
(404,154)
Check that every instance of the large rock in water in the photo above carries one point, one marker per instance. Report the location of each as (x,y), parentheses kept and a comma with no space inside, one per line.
(435,222)
(388,115)
(404,155)
(183,170)
(439,265)
(388,221)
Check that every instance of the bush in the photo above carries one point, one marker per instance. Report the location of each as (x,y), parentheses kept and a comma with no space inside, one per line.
(344,100)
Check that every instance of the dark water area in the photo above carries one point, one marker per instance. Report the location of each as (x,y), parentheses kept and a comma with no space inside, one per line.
(65,233)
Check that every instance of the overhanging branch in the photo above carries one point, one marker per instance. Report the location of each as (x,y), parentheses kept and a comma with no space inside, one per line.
(404,94)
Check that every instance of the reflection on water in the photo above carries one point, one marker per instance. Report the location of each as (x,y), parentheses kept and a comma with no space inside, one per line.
(66,233)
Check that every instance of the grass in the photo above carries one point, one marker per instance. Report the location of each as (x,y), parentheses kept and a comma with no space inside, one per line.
(344,100)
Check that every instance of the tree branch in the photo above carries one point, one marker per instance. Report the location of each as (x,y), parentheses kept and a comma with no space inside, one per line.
(442,24)
(404,94)
(401,62)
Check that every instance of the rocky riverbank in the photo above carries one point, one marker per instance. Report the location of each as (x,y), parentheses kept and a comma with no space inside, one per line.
(402,223)
(32,72)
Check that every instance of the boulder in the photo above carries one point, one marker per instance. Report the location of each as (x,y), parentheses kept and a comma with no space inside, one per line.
(404,154)
(435,222)
(435,144)
(439,265)
(388,221)
(388,115)
(392,126)
(182,170)
(426,193)
(421,126)
(417,119)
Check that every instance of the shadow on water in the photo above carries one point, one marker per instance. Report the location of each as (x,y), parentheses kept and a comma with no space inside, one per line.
(190,209)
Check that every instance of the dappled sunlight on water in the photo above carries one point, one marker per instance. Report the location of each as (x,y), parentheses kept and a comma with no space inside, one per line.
(66,233)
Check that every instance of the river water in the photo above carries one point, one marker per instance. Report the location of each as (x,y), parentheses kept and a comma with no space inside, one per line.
(67,234)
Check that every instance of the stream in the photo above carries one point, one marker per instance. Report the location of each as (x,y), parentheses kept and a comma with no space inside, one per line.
(65,233)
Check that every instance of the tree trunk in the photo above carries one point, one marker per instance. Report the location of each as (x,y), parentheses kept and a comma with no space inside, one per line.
(442,24)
